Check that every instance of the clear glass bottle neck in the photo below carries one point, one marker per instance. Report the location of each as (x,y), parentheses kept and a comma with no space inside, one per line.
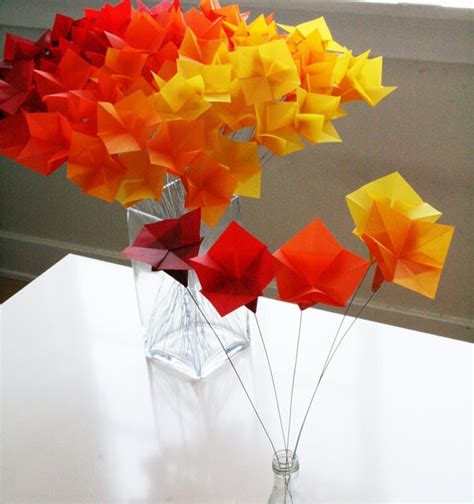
(285,463)
(285,467)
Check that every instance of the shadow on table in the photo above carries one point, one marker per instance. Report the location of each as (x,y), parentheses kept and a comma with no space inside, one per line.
(206,438)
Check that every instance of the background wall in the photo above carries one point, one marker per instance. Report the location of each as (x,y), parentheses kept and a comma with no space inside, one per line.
(424,130)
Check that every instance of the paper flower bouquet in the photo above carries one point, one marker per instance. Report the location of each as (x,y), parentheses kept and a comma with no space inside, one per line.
(405,243)
(127,95)
(131,97)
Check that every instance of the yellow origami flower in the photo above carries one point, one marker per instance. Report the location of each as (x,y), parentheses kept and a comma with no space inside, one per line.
(316,55)
(314,116)
(216,78)
(305,30)
(180,98)
(363,81)
(266,72)
(394,190)
(237,114)
(276,127)
(260,30)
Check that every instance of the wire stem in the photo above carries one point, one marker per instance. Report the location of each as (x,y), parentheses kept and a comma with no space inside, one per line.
(235,371)
(330,357)
(273,382)
(293,379)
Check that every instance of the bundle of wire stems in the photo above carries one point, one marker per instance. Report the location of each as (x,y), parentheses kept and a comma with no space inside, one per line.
(336,343)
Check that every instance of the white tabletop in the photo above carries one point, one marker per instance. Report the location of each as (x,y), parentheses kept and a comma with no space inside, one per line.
(84,420)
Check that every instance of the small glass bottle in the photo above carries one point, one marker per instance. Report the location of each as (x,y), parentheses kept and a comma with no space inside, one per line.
(286,488)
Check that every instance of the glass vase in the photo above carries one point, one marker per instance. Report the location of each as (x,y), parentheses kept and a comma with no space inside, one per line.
(286,488)
(176,333)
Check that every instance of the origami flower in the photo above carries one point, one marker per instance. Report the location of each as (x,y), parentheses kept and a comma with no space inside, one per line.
(242,161)
(144,32)
(209,185)
(168,245)
(47,147)
(363,80)
(181,98)
(142,180)
(230,14)
(14,135)
(125,65)
(18,48)
(126,126)
(92,168)
(234,271)
(262,29)
(321,62)
(217,78)
(72,73)
(266,72)
(202,37)
(313,268)
(408,252)
(397,193)
(173,148)
(314,115)
(16,87)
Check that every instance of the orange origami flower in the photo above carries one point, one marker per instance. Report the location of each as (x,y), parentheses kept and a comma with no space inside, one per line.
(142,179)
(242,161)
(313,268)
(408,252)
(93,169)
(209,186)
(126,126)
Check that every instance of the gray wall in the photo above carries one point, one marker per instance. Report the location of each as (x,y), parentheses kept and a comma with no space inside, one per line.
(424,130)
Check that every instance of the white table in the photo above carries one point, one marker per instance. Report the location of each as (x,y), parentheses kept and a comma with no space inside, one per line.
(84,421)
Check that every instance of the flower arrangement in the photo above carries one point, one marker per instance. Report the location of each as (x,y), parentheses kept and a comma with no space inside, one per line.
(127,95)
(405,243)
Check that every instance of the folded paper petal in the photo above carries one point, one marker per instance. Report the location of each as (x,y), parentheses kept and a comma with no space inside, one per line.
(235,270)
(313,268)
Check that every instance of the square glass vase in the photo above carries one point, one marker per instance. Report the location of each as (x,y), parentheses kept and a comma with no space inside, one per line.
(175,331)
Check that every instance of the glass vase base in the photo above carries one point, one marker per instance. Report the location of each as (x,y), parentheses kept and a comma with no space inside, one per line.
(175,363)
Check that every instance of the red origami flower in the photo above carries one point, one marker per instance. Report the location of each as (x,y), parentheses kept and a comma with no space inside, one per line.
(313,268)
(235,270)
(167,245)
